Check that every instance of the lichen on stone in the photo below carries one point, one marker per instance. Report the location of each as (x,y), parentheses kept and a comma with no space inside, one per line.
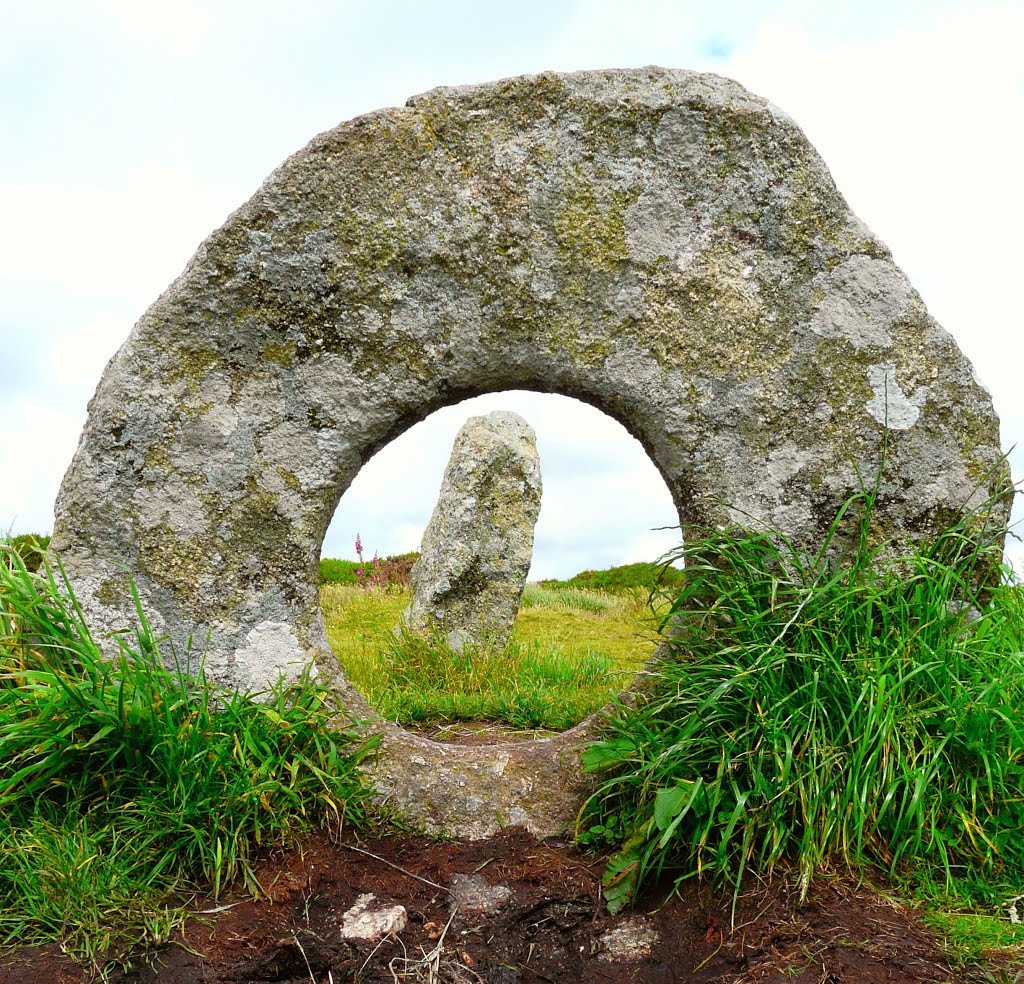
(662,244)
(478,546)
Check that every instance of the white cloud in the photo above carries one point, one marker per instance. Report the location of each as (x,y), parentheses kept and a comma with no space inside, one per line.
(178,26)
(79,355)
(102,242)
(649,546)
(918,120)
(33,459)
(601,31)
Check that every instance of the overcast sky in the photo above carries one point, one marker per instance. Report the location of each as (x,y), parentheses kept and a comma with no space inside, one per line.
(129,130)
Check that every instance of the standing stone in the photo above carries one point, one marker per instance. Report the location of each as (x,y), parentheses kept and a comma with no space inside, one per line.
(663,245)
(477,548)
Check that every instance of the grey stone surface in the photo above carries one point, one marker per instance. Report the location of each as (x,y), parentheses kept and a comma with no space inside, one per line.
(662,244)
(477,547)
(370,919)
(473,895)
(632,939)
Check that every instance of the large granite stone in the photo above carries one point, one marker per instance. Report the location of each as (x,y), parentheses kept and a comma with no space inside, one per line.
(661,244)
(477,547)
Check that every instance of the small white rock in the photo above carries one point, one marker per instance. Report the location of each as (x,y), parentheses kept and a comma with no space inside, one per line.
(365,922)
(630,940)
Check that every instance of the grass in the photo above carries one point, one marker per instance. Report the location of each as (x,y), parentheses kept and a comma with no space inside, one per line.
(816,712)
(527,687)
(569,652)
(122,782)
(562,597)
(834,710)
(625,578)
(976,941)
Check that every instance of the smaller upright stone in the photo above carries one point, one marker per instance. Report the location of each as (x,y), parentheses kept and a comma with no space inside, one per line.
(477,548)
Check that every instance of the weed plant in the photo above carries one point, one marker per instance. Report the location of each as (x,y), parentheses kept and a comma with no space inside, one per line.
(30,547)
(835,709)
(121,780)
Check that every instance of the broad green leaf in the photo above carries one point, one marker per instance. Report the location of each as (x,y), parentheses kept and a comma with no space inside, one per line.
(669,802)
(622,873)
(606,754)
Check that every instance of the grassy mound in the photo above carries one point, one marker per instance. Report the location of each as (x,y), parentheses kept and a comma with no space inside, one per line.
(388,572)
(824,710)
(121,780)
(625,578)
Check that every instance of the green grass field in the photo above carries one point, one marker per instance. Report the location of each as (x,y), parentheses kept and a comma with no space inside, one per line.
(570,651)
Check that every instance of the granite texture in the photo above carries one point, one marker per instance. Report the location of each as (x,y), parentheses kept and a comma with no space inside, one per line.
(478,545)
(661,244)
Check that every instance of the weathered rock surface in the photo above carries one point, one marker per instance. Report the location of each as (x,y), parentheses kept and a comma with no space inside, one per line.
(369,919)
(477,547)
(632,939)
(473,895)
(662,244)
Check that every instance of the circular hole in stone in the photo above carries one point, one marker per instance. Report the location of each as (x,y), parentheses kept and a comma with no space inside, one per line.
(604,505)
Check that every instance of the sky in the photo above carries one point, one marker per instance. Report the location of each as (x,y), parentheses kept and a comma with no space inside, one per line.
(130,130)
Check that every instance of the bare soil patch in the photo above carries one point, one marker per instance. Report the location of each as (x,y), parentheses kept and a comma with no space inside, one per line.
(553,926)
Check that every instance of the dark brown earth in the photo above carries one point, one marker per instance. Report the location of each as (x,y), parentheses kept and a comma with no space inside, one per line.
(549,930)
